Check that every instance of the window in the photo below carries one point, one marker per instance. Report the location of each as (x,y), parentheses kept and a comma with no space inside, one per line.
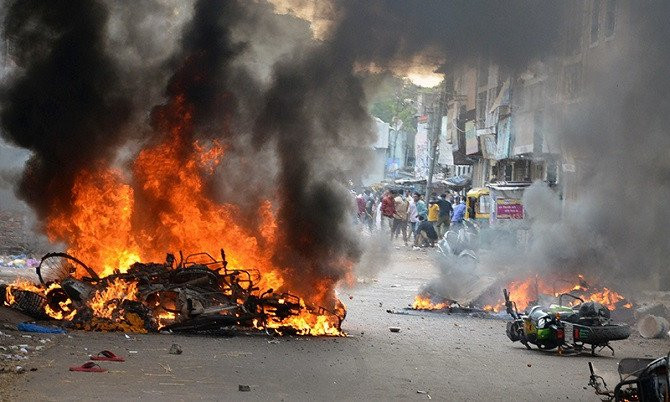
(595,21)
(574,33)
(484,204)
(538,138)
(483,72)
(534,96)
(572,80)
(508,172)
(481,109)
(610,18)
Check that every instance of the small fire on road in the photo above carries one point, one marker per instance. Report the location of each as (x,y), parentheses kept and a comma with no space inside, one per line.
(531,290)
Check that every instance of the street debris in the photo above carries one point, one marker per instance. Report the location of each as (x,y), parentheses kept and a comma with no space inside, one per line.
(197,294)
(32,327)
(651,326)
(394,329)
(89,367)
(108,356)
(175,349)
(244,388)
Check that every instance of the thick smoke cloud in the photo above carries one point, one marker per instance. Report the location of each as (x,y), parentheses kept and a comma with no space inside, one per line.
(614,226)
(384,32)
(315,110)
(65,103)
(620,138)
(68,102)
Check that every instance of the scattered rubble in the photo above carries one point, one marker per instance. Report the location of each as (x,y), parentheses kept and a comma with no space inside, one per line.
(175,349)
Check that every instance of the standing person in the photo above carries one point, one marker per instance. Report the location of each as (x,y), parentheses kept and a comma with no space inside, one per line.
(433,212)
(444,217)
(370,207)
(400,217)
(360,205)
(459,214)
(421,208)
(412,214)
(387,210)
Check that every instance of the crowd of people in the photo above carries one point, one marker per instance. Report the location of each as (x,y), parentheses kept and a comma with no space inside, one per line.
(398,212)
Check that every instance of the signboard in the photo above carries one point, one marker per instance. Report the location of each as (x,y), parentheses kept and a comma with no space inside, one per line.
(504,137)
(488,146)
(471,140)
(446,156)
(509,208)
(421,150)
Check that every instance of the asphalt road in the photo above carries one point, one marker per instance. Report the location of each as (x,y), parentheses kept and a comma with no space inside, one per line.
(434,356)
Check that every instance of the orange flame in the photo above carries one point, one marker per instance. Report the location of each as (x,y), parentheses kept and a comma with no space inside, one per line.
(525,293)
(423,302)
(166,205)
(106,301)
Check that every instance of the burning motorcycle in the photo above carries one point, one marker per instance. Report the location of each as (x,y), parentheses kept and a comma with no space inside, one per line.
(640,380)
(563,326)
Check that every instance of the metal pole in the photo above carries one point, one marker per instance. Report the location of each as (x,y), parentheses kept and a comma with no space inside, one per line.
(437,115)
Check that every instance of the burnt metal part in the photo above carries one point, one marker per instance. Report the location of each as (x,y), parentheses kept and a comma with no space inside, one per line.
(29,302)
(66,256)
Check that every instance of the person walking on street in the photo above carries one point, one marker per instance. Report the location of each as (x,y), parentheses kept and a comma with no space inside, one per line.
(400,217)
(387,210)
(444,217)
(459,214)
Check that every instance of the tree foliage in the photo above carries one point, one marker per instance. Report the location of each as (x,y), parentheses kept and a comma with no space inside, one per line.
(395,101)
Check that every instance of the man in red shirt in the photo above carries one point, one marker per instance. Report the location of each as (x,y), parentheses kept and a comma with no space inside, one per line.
(387,210)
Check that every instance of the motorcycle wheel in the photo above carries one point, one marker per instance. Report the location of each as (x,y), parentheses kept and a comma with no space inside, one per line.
(600,335)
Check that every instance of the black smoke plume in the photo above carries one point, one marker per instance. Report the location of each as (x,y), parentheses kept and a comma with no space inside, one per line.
(65,103)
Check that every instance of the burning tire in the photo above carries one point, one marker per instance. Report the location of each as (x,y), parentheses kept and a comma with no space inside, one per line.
(600,335)
(28,302)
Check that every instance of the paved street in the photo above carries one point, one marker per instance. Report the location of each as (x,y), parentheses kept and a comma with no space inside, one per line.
(444,357)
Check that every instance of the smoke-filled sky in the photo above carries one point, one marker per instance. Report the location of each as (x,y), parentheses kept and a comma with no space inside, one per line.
(86,75)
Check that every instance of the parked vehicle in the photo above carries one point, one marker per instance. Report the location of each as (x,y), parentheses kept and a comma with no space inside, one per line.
(640,380)
(463,242)
(564,327)
(478,205)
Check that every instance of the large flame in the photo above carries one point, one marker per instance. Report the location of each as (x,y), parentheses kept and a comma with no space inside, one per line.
(165,204)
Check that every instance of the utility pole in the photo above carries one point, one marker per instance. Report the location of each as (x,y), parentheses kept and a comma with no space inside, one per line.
(435,134)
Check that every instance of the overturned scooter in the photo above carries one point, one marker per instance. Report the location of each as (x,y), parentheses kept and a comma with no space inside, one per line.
(640,380)
(564,327)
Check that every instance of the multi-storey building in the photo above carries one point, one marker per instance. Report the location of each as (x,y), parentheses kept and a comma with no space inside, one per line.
(508,123)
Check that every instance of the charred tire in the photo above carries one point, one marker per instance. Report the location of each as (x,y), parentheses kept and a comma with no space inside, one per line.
(3,293)
(600,335)
(30,303)
(513,331)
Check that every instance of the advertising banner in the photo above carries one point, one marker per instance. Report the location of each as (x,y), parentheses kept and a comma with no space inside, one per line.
(509,208)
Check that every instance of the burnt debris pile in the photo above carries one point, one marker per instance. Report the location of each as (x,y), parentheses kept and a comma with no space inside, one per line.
(198,293)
